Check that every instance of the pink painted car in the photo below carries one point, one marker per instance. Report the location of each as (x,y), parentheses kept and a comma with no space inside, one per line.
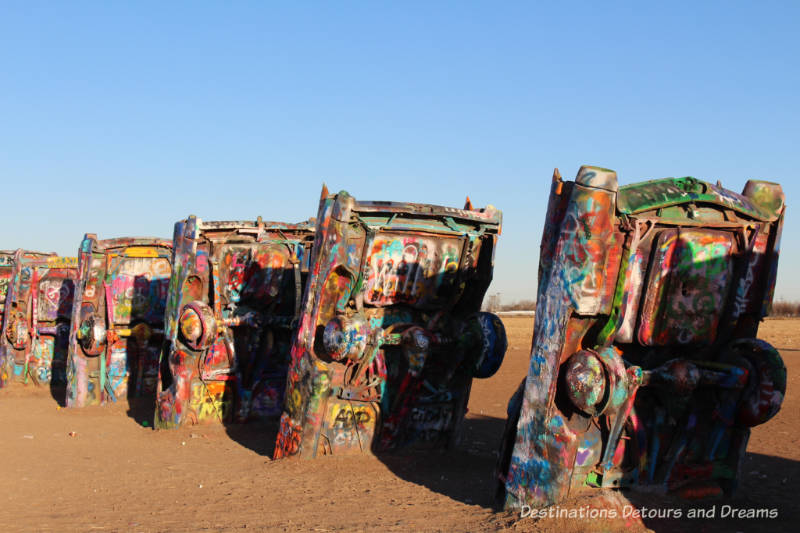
(37,307)
(117,321)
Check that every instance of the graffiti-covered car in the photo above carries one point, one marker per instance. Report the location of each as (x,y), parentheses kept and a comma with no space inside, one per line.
(390,335)
(6,270)
(646,370)
(234,300)
(37,311)
(118,319)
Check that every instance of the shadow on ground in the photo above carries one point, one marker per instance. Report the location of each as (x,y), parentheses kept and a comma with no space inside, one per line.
(464,473)
(142,409)
(59,393)
(257,436)
(766,483)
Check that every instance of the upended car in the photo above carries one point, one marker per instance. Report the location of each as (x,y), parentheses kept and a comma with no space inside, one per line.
(37,305)
(6,272)
(391,334)
(646,369)
(117,321)
(6,269)
(233,305)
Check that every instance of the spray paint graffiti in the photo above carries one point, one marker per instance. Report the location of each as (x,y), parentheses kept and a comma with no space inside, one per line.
(6,268)
(645,367)
(409,269)
(37,304)
(231,309)
(117,320)
(390,335)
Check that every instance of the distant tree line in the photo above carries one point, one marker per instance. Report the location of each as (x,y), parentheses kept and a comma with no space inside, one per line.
(784,308)
(521,305)
(492,304)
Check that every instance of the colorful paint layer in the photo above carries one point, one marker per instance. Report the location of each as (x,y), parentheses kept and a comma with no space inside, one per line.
(36,295)
(117,321)
(233,305)
(645,367)
(390,333)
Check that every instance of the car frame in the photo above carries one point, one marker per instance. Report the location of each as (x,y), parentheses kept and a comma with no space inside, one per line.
(36,314)
(390,335)
(6,274)
(646,370)
(131,274)
(233,305)
(7,262)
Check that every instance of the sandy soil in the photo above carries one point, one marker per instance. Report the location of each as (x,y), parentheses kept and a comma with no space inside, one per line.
(115,474)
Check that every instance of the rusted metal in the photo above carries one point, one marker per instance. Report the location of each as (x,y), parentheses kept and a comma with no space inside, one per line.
(117,320)
(233,305)
(646,369)
(390,333)
(6,273)
(37,293)
(6,270)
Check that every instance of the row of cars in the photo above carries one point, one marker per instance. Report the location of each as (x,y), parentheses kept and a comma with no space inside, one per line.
(361,330)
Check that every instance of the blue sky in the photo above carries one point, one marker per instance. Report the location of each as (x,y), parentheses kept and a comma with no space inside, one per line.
(120,118)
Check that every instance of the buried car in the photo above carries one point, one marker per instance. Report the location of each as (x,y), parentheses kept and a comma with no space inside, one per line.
(6,270)
(390,334)
(117,319)
(646,369)
(234,300)
(37,308)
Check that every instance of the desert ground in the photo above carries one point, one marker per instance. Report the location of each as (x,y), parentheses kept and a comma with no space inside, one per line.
(106,469)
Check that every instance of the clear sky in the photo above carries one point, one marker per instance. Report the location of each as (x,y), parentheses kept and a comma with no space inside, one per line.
(120,119)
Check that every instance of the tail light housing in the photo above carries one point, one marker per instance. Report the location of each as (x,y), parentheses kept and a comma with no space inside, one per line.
(197,325)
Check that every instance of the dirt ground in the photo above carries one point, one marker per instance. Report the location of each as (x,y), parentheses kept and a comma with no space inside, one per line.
(115,474)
